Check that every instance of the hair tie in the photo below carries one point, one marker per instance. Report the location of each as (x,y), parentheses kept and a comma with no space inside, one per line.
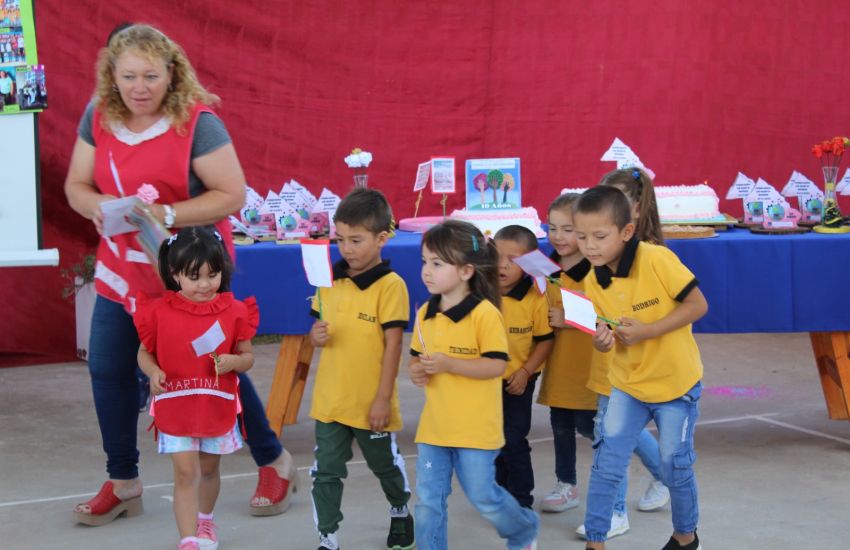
(636,174)
(171,239)
(474,244)
(218,236)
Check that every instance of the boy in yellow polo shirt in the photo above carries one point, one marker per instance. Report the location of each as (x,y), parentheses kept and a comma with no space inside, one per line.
(530,340)
(359,328)
(657,368)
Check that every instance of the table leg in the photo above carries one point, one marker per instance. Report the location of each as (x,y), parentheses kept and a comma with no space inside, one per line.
(833,361)
(290,377)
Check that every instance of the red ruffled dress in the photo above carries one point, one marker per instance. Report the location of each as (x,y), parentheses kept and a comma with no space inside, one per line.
(194,403)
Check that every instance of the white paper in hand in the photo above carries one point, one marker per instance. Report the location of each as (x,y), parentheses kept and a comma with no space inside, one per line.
(578,311)
(115,214)
(207,343)
(536,264)
(316,255)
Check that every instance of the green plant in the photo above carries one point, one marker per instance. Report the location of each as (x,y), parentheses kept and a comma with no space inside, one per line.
(77,275)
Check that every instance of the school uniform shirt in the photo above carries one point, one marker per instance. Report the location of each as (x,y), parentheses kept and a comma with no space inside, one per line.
(526,318)
(196,402)
(567,369)
(358,310)
(649,284)
(461,411)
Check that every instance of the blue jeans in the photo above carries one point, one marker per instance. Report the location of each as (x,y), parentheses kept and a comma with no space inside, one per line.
(476,473)
(620,428)
(113,347)
(565,423)
(513,465)
(646,450)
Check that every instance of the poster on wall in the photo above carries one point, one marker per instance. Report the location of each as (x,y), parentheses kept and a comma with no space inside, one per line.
(22,85)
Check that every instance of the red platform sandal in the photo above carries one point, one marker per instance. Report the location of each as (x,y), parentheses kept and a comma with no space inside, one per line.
(275,489)
(105,507)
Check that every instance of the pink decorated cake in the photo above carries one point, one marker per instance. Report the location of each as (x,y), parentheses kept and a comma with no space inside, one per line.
(688,203)
(683,203)
(488,221)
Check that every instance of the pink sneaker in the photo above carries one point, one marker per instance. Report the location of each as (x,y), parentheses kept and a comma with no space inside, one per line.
(206,534)
(188,545)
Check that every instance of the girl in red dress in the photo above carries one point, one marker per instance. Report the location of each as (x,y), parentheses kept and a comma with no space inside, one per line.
(194,339)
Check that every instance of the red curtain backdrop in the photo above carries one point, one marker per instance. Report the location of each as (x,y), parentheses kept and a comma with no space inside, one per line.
(700,90)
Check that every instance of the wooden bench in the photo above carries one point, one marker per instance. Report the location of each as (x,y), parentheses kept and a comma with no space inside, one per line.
(832,355)
(290,378)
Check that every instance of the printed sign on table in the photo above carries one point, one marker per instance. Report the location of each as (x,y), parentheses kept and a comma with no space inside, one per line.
(493,183)
(443,175)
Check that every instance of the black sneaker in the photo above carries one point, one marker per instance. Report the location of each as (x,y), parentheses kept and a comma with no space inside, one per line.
(401,535)
(673,544)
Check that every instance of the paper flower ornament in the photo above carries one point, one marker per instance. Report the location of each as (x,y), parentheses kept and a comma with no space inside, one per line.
(358,158)
(147,193)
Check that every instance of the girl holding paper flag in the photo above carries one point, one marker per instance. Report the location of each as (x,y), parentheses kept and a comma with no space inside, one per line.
(195,387)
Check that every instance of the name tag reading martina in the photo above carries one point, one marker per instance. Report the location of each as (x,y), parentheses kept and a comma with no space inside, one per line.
(209,341)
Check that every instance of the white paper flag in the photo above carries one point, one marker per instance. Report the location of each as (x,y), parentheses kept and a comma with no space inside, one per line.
(316,255)
(578,311)
(209,341)
(536,264)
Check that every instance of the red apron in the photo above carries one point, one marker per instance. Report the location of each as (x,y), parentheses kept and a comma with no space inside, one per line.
(122,268)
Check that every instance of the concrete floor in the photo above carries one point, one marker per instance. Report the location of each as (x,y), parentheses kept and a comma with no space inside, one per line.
(773,471)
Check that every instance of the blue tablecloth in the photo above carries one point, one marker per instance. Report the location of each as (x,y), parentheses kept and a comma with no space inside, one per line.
(753,283)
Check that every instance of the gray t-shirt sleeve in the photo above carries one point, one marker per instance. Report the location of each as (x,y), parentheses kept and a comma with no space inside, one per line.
(210,134)
(84,129)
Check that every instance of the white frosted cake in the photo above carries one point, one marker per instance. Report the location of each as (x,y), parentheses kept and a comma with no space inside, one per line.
(683,203)
(490,221)
(688,203)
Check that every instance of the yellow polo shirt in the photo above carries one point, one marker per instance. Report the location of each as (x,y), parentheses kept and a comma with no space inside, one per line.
(357,309)
(461,411)
(527,322)
(649,284)
(564,382)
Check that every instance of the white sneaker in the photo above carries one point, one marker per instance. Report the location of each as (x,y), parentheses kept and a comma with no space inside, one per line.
(619,526)
(328,542)
(657,495)
(531,545)
(562,497)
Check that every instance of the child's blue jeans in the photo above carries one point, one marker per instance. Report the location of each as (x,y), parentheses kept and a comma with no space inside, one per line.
(646,449)
(620,428)
(476,472)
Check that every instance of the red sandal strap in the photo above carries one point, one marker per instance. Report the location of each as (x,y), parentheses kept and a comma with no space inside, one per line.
(271,486)
(104,501)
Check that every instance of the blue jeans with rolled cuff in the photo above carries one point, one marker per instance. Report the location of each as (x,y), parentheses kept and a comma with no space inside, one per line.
(620,428)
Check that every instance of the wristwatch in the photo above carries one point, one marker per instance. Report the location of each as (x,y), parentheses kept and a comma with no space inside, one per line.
(169,216)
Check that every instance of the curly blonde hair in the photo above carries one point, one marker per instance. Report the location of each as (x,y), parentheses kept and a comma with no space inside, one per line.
(183,93)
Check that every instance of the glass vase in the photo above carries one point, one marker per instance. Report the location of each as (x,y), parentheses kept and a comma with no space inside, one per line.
(831,217)
(361,178)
